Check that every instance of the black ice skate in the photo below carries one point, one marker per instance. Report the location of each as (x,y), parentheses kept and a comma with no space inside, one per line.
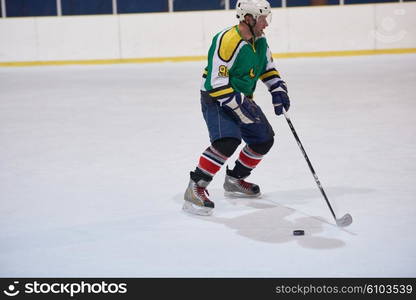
(238,187)
(196,199)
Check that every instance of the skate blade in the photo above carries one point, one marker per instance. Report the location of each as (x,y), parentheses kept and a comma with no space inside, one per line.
(240,195)
(197,210)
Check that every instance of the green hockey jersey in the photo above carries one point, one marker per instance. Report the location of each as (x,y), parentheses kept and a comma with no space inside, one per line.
(235,65)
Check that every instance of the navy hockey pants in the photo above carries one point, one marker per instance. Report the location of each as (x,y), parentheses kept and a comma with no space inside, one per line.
(249,124)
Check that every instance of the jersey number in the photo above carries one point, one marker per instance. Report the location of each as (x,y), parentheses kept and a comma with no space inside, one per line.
(223,71)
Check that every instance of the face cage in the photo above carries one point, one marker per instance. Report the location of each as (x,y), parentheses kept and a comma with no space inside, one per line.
(268,18)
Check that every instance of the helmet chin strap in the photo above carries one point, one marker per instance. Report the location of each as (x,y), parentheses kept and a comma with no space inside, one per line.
(251,28)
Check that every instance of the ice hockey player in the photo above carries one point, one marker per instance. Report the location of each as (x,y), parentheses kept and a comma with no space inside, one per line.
(237,58)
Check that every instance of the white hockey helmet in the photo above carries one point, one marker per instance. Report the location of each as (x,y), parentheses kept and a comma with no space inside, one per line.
(256,8)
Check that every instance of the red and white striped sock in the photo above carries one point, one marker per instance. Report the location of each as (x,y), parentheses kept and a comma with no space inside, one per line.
(249,158)
(211,161)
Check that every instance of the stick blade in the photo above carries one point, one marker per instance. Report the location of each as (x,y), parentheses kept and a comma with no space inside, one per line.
(345,221)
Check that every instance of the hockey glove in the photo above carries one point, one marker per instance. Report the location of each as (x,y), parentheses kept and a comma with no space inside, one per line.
(242,110)
(280,97)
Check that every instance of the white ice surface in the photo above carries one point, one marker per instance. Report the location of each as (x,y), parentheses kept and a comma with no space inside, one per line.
(94,161)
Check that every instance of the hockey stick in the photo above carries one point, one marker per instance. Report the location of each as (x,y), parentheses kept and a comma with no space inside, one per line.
(346,219)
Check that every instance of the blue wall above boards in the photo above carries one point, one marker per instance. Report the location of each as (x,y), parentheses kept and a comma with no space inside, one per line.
(32,8)
(137,6)
(89,7)
(186,5)
(27,8)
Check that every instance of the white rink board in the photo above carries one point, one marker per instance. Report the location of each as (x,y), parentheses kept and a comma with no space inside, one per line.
(75,38)
(331,28)
(18,39)
(160,35)
(303,29)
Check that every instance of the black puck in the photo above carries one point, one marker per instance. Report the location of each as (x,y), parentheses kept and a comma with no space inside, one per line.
(298,232)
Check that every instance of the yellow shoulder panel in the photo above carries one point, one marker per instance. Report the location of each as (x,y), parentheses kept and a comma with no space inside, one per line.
(229,44)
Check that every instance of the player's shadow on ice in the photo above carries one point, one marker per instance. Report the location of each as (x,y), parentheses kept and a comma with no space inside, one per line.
(270,225)
(272,222)
(303,196)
